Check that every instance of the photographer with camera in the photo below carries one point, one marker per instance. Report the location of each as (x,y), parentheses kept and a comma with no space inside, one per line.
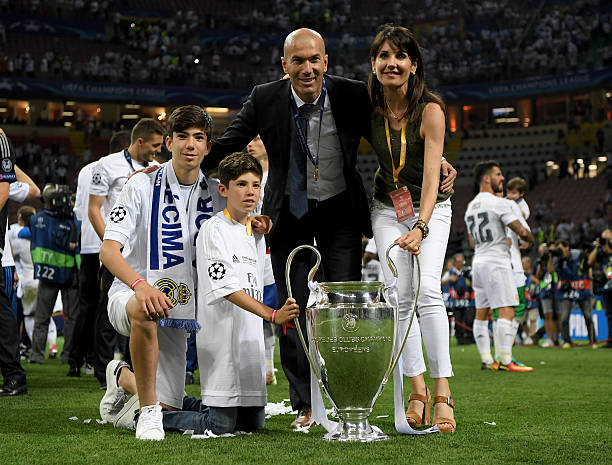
(573,285)
(546,282)
(54,236)
(462,300)
(600,261)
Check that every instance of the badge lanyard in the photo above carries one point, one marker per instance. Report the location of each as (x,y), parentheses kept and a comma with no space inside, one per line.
(303,141)
(249,227)
(402,160)
(401,198)
(128,158)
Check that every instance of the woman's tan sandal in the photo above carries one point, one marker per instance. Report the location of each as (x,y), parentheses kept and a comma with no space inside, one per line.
(445,425)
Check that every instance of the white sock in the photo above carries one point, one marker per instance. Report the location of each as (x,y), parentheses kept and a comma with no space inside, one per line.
(505,338)
(481,336)
(515,327)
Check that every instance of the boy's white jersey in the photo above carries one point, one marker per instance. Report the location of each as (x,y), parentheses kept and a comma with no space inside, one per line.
(515,252)
(129,224)
(109,175)
(230,343)
(90,242)
(486,218)
(522,203)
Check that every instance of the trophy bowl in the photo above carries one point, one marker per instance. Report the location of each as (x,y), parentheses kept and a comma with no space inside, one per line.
(352,330)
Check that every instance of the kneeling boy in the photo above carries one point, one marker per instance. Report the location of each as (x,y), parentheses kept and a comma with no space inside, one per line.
(152,300)
(230,264)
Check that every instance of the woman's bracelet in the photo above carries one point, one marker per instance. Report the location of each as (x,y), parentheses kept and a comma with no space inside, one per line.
(273,317)
(420,224)
(135,283)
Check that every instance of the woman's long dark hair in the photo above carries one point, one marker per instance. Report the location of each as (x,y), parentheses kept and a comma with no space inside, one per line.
(418,92)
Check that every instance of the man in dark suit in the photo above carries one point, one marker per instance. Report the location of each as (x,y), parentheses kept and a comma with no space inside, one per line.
(311,126)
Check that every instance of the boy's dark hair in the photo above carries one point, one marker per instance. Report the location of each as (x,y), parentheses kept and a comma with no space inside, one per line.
(235,165)
(517,184)
(26,213)
(145,128)
(119,140)
(483,168)
(189,116)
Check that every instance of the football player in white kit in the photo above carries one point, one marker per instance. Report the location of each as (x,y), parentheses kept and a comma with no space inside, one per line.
(487,217)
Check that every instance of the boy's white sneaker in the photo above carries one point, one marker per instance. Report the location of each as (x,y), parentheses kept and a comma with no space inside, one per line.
(125,418)
(150,425)
(114,397)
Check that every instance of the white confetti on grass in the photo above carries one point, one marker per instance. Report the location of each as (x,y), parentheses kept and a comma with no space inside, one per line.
(73,418)
(278,408)
(382,416)
(88,421)
(302,429)
(210,435)
(492,423)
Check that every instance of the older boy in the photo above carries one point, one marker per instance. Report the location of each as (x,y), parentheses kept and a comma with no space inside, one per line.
(231,279)
(156,220)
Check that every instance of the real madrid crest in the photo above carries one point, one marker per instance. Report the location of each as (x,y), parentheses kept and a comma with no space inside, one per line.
(177,293)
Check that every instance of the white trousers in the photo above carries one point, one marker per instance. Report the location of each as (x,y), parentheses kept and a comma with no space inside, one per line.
(433,325)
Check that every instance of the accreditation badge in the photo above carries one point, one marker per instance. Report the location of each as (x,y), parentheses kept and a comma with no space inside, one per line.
(402,201)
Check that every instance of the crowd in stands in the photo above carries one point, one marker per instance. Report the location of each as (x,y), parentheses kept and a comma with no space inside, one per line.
(463,42)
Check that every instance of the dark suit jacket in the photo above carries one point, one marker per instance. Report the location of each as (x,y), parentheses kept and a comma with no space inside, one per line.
(267,112)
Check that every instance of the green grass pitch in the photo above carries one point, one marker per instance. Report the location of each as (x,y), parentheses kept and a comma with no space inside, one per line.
(559,414)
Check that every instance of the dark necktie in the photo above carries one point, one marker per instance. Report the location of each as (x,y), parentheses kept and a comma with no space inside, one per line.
(298,196)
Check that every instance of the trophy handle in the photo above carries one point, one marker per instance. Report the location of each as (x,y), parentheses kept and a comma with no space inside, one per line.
(393,284)
(311,274)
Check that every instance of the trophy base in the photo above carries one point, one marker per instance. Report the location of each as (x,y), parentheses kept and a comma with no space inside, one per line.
(356,431)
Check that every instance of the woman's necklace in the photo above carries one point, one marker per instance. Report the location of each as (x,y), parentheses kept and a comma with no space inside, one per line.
(399,118)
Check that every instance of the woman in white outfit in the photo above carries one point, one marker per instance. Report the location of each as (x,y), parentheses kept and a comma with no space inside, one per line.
(408,137)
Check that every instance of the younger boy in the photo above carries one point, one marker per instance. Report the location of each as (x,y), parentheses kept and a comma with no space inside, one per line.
(230,266)
(155,220)
(516,190)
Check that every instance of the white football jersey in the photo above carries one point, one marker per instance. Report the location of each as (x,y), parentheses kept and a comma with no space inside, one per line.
(486,218)
(130,227)
(109,174)
(230,343)
(90,241)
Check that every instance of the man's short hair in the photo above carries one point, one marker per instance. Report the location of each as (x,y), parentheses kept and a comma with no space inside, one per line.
(189,116)
(235,165)
(120,140)
(517,184)
(26,213)
(562,242)
(145,129)
(483,168)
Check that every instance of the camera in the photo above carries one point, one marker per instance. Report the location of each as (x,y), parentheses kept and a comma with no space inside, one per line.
(555,252)
(58,199)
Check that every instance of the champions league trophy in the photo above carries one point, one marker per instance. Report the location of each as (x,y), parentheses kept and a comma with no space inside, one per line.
(353,331)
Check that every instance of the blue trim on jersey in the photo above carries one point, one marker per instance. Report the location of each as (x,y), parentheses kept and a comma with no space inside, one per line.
(154,250)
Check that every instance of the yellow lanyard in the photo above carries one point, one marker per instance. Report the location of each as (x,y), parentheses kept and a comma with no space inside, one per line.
(249,228)
(402,161)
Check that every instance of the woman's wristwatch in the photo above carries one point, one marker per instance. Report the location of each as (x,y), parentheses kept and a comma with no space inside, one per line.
(420,224)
